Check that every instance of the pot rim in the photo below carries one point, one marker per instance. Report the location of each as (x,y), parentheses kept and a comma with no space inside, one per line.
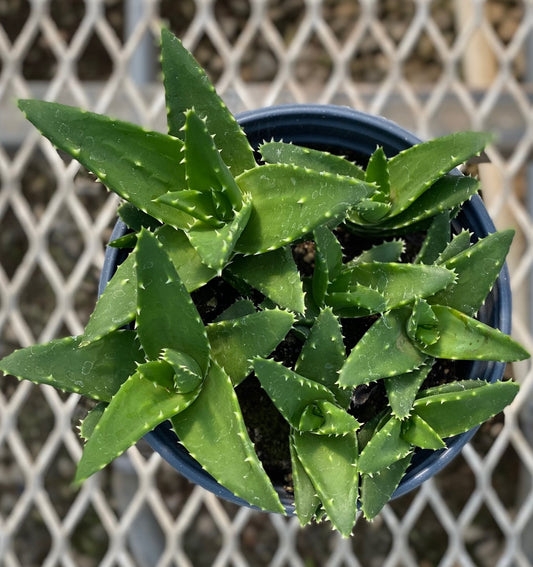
(329,126)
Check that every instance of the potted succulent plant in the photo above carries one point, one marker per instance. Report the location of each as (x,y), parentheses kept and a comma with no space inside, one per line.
(241,262)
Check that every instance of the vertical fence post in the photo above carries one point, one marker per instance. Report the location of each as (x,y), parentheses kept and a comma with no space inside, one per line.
(141,68)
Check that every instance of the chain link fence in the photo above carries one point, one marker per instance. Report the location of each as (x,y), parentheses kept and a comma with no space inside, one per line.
(432,66)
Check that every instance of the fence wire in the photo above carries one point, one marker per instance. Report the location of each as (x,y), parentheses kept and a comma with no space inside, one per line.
(432,66)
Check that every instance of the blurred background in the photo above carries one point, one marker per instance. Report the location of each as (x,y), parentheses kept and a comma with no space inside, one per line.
(432,66)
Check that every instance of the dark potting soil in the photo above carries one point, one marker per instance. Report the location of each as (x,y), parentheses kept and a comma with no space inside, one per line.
(268,430)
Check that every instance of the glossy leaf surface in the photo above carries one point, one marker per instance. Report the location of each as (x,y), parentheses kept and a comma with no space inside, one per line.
(328,262)
(415,169)
(464,338)
(461,408)
(187,86)
(192,271)
(214,433)
(306,499)
(323,355)
(331,464)
(290,392)
(117,305)
(216,245)
(204,166)
(384,448)
(275,275)
(280,152)
(384,350)
(235,342)
(419,433)
(142,403)
(445,194)
(167,316)
(402,390)
(377,489)
(95,371)
(398,283)
(436,240)
(307,198)
(137,164)
(476,268)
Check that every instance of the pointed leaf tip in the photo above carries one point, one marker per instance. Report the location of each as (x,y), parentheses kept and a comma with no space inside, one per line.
(187,86)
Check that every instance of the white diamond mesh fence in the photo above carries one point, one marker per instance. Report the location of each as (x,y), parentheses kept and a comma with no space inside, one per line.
(434,67)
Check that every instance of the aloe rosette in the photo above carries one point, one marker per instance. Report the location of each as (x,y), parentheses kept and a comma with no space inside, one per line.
(203,210)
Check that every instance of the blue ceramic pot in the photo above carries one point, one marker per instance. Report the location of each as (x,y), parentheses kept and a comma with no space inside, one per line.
(353,134)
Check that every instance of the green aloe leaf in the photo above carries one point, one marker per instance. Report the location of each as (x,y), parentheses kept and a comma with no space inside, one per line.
(423,325)
(306,499)
(360,301)
(167,316)
(384,448)
(331,464)
(420,434)
(307,198)
(370,210)
(377,171)
(236,341)
(95,371)
(137,164)
(476,268)
(187,86)
(192,271)
(187,373)
(459,243)
(323,355)
(402,390)
(399,284)
(378,205)
(117,305)
(204,166)
(452,412)
(436,240)
(445,194)
(240,308)
(198,204)
(371,426)
(280,152)
(275,275)
(136,219)
(323,417)
(91,420)
(328,262)
(415,169)
(388,251)
(215,246)
(290,392)
(384,350)
(214,433)
(142,403)
(378,488)
(464,338)
(127,241)
(450,387)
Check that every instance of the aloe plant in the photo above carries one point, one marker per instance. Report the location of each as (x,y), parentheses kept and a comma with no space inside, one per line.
(203,214)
